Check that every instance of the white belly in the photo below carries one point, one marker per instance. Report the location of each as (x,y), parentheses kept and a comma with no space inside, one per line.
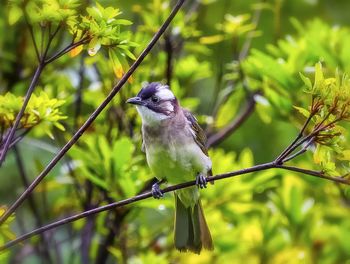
(177,164)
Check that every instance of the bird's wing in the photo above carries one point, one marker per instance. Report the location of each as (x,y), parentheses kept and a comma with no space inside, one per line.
(198,135)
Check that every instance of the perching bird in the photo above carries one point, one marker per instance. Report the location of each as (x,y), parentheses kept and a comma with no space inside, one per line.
(175,149)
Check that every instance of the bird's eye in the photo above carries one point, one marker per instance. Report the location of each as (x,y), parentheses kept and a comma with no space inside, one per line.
(155,99)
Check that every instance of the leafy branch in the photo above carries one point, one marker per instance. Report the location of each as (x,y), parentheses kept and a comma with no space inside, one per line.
(43,61)
(99,28)
(94,115)
(238,57)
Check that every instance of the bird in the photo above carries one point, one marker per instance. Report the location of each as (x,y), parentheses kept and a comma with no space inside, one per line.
(175,150)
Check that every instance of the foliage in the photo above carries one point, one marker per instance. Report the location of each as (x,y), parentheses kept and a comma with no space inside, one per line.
(6,233)
(295,72)
(41,112)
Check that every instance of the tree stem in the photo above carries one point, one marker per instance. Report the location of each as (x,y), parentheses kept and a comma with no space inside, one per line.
(256,168)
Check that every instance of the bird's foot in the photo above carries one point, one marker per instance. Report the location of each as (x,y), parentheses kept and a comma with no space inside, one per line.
(156,192)
(201,181)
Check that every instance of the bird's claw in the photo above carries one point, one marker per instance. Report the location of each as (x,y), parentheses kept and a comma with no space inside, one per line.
(201,181)
(156,192)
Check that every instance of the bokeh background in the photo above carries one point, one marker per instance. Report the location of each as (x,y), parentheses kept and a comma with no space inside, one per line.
(222,53)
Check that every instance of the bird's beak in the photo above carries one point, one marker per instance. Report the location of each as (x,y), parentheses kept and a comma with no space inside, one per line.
(135,100)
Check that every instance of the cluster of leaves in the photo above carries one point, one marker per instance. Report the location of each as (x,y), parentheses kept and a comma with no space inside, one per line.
(44,12)
(103,28)
(330,105)
(110,166)
(100,27)
(42,112)
(232,27)
(274,71)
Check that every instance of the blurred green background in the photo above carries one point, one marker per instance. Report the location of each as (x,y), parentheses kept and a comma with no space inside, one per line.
(272,216)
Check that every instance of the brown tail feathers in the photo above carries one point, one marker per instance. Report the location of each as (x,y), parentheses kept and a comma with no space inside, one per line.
(191,230)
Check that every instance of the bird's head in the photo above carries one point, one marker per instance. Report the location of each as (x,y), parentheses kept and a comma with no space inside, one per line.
(155,103)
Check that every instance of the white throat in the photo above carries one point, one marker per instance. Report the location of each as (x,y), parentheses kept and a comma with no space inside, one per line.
(150,117)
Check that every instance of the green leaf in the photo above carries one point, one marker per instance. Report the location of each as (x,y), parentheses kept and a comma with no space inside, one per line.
(15,13)
(123,22)
(302,111)
(122,153)
(129,54)
(319,78)
(306,81)
(94,46)
(321,154)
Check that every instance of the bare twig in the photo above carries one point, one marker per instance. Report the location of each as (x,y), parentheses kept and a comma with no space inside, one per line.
(169,52)
(260,167)
(94,115)
(218,137)
(79,93)
(248,40)
(19,137)
(318,174)
(67,49)
(294,143)
(241,56)
(44,245)
(301,151)
(51,37)
(11,134)
(299,140)
(30,27)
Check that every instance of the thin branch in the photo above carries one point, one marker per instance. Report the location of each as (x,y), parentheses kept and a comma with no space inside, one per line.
(51,37)
(42,39)
(30,90)
(296,143)
(19,137)
(169,60)
(301,151)
(241,56)
(288,150)
(146,195)
(248,41)
(218,137)
(93,116)
(28,95)
(318,174)
(67,49)
(79,93)
(126,202)
(44,244)
(32,36)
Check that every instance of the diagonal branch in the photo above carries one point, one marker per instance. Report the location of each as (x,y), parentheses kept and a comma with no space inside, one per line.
(291,146)
(42,63)
(30,90)
(318,174)
(31,31)
(67,49)
(218,137)
(146,195)
(93,116)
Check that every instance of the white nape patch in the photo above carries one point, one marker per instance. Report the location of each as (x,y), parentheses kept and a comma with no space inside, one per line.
(168,106)
(164,93)
(150,117)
